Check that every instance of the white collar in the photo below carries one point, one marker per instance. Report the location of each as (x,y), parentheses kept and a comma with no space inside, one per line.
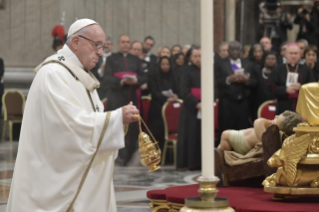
(235,61)
(107,54)
(66,51)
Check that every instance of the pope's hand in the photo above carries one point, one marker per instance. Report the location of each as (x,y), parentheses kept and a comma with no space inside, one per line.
(130,113)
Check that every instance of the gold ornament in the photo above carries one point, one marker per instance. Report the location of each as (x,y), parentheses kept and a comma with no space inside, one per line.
(298,165)
(150,152)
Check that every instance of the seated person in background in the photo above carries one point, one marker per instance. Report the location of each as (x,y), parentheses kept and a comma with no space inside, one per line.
(243,141)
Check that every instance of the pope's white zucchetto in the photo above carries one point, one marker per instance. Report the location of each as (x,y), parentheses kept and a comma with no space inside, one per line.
(79,24)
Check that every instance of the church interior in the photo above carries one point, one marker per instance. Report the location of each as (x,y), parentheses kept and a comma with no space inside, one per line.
(227,94)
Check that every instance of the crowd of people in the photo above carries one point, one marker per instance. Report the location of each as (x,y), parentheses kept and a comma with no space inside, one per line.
(245,77)
(242,84)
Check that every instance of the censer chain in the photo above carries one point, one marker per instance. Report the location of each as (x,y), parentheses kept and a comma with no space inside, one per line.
(147,130)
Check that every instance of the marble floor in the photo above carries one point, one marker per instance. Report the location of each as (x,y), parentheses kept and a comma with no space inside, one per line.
(131,183)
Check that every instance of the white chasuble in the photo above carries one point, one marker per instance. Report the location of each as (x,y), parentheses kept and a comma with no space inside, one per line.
(67,143)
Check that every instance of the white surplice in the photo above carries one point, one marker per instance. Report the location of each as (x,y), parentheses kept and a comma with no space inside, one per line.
(59,136)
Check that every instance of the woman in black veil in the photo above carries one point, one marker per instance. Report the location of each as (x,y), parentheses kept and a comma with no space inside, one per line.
(162,80)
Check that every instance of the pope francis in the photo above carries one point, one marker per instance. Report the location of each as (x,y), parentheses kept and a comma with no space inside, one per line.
(67,143)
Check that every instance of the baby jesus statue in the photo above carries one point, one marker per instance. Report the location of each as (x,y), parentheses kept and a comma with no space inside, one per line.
(242,141)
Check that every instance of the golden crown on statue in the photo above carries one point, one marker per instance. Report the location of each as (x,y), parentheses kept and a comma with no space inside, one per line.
(149,150)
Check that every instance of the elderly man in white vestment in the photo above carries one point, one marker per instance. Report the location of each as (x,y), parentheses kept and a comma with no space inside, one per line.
(68,144)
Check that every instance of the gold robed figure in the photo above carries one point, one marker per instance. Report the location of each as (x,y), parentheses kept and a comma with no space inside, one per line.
(298,159)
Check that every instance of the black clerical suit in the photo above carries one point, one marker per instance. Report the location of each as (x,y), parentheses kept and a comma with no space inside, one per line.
(189,129)
(152,60)
(120,95)
(315,71)
(263,90)
(159,82)
(307,29)
(233,109)
(102,90)
(279,77)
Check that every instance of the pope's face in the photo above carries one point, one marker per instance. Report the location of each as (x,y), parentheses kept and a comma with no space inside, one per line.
(85,50)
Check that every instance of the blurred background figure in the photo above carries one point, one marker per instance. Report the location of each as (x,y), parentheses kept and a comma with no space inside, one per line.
(162,80)
(266,43)
(273,22)
(234,78)
(307,21)
(263,91)
(98,70)
(288,78)
(59,37)
(256,55)
(189,129)
(282,58)
(148,45)
(178,61)
(222,51)
(165,52)
(124,76)
(186,48)
(302,43)
(311,56)
(176,49)
(136,49)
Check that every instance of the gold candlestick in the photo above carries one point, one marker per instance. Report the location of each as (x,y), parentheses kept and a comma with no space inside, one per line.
(207,202)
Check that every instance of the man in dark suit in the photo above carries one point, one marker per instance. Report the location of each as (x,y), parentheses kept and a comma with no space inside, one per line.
(98,70)
(124,75)
(234,78)
(150,58)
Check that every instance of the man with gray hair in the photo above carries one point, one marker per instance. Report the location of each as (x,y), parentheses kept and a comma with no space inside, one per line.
(303,44)
(234,79)
(223,50)
(67,143)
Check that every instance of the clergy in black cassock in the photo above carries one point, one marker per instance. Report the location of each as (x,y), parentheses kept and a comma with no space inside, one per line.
(123,88)
(286,90)
(162,80)
(189,129)
(235,79)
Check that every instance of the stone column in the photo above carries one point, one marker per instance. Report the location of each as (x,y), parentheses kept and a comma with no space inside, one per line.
(230,20)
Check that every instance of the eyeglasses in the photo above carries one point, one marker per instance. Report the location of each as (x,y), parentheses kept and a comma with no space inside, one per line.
(96,45)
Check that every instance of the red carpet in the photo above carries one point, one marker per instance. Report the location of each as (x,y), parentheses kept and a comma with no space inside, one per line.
(244,199)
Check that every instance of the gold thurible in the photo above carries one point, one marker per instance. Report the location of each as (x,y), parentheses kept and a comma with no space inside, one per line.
(149,150)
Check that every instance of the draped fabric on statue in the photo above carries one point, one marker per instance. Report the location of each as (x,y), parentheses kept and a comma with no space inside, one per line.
(120,95)
(189,130)
(62,127)
(278,78)
(159,82)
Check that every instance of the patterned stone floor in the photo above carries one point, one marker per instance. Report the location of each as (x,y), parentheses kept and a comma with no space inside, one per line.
(131,183)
